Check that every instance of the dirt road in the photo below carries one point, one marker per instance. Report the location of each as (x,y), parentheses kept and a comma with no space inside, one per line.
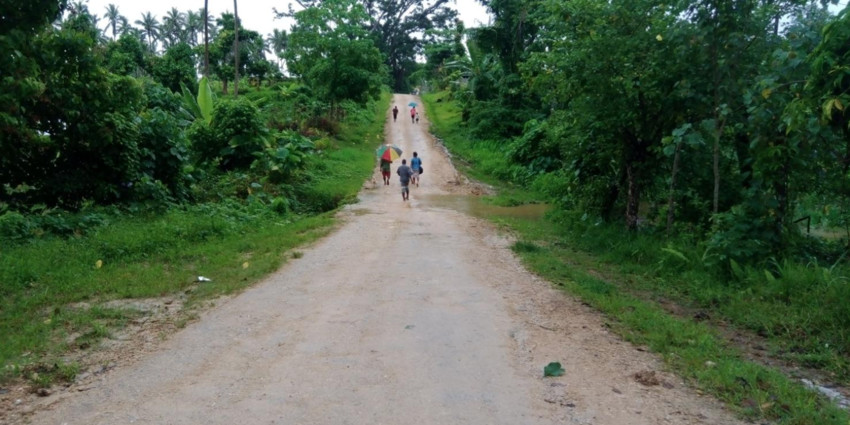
(408,314)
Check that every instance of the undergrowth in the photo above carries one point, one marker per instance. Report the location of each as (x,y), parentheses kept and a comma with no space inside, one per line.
(57,269)
(800,307)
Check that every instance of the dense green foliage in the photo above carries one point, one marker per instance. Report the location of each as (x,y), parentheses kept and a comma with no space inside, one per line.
(123,176)
(708,129)
(719,119)
(394,27)
(651,290)
(334,54)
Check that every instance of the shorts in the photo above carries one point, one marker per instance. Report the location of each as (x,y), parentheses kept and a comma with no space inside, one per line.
(386,174)
(405,188)
(415,174)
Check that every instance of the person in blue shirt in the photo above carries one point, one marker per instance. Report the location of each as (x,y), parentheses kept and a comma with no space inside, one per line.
(416,168)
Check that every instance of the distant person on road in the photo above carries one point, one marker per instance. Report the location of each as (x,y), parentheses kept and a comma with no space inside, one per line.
(416,168)
(417,118)
(412,114)
(404,174)
(385,171)
(395,112)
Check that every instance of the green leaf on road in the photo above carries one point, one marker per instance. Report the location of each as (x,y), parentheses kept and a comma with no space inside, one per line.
(553,369)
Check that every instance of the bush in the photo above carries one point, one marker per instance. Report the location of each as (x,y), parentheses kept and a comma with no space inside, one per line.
(17,227)
(235,134)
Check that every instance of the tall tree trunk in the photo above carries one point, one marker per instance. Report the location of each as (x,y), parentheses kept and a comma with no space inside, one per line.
(236,49)
(719,128)
(633,200)
(715,67)
(781,189)
(716,167)
(206,41)
(671,200)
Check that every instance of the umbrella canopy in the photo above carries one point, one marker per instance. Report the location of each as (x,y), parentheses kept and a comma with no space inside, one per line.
(412,104)
(389,152)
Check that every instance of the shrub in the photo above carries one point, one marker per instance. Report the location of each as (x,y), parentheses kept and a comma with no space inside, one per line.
(235,134)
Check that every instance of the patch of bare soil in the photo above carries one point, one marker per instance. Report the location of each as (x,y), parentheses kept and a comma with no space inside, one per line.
(156,319)
(759,349)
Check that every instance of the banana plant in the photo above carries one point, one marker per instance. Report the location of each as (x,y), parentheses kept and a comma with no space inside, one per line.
(200,107)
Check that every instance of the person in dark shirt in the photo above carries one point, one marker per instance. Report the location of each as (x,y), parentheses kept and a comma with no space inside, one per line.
(404,174)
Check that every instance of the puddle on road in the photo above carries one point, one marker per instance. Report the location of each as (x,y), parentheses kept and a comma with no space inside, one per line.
(360,211)
(475,206)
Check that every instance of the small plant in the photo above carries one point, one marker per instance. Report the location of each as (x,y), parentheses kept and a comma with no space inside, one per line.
(523,246)
(67,372)
(41,380)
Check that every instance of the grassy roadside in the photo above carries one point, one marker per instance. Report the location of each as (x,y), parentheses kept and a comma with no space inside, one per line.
(692,349)
(53,291)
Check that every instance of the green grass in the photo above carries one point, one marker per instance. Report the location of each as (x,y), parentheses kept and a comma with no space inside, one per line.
(44,281)
(479,159)
(622,276)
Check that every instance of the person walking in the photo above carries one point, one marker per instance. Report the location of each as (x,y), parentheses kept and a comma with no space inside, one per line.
(395,112)
(404,174)
(385,170)
(416,168)
(412,114)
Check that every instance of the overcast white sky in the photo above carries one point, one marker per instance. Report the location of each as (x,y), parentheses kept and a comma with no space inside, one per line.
(256,15)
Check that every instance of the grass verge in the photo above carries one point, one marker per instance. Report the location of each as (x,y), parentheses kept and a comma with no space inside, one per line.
(696,351)
(54,292)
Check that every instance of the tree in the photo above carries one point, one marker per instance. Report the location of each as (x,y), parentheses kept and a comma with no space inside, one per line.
(236,49)
(206,40)
(194,21)
(613,54)
(222,51)
(393,25)
(175,67)
(444,46)
(171,30)
(29,16)
(113,18)
(126,56)
(76,136)
(150,29)
(279,41)
(827,94)
(21,85)
(330,50)
(502,110)
(124,27)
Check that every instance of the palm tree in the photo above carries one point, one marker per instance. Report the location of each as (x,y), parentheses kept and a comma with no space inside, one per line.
(113,17)
(124,27)
(78,7)
(171,30)
(194,21)
(279,42)
(150,29)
